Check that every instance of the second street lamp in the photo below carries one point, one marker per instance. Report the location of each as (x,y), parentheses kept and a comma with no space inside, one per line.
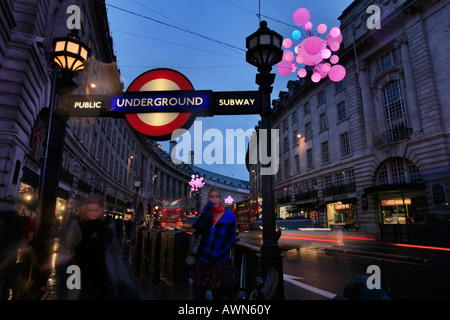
(264,51)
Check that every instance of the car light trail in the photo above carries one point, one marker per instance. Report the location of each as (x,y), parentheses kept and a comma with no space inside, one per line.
(420,247)
(328,236)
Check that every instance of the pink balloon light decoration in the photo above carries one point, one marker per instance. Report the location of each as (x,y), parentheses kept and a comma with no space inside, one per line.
(322,28)
(302,73)
(287,43)
(312,51)
(337,73)
(308,26)
(313,45)
(326,53)
(316,77)
(301,16)
(335,32)
(334,59)
(288,55)
(284,68)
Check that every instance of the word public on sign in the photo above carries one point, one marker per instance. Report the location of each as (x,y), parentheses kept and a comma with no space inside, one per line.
(202,103)
(84,106)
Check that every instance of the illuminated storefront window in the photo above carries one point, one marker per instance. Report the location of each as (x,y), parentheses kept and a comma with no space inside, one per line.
(340,213)
(394,211)
(60,209)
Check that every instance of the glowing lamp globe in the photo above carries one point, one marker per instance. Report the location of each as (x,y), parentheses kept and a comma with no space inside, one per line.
(70,53)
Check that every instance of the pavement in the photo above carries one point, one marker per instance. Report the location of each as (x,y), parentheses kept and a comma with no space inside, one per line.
(352,243)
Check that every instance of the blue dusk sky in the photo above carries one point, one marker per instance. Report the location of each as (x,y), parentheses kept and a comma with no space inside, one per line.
(205,41)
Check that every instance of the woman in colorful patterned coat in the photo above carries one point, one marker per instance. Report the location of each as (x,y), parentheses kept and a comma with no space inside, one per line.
(215,269)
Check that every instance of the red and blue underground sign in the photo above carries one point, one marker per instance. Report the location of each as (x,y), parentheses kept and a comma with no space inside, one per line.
(160,101)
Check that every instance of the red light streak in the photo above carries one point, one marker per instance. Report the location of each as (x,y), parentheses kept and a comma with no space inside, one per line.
(328,236)
(306,238)
(420,247)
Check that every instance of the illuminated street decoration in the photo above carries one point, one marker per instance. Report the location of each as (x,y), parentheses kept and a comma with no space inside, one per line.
(229,200)
(312,51)
(196,182)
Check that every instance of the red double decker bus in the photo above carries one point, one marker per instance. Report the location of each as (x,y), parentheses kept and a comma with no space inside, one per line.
(247,211)
(172,215)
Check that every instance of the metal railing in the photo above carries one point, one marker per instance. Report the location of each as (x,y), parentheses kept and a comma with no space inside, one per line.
(255,282)
(392,136)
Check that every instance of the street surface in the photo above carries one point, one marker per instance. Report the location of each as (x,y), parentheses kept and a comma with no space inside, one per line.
(316,267)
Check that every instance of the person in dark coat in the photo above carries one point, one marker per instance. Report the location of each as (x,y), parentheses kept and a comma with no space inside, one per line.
(92,244)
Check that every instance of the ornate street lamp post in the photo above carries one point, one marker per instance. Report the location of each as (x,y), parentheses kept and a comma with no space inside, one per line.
(137,185)
(69,57)
(264,51)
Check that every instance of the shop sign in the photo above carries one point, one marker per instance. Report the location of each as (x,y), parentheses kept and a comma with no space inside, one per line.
(32,166)
(394,202)
(438,194)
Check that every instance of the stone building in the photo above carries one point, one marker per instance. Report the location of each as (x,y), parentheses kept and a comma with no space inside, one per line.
(372,150)
(101,155)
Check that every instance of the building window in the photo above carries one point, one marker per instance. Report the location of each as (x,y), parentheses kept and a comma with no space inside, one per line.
(328,181)
(394,110)
(386,61)
(345,144)
(285,125)
(297,163)
(306,108)
(341,111)
(321,97)
(295,139)
(338,86)
(294,117)
(323,121)
(309,159)
(397,171)
(286,169)
(286,144)
(308,130)
(325,152)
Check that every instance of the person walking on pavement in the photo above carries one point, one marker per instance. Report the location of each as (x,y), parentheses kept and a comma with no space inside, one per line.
(92,244)
(214,268)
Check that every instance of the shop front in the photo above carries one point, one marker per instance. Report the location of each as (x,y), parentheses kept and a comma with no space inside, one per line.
(402,212)
(343,213)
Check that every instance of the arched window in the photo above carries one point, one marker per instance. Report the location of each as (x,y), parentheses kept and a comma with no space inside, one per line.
(397,170)
(394,109)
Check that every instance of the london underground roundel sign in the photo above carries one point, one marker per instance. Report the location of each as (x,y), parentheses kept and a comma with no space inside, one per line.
(159,126)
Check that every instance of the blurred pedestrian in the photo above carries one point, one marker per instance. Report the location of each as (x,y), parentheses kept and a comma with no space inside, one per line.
(92,244)
(214,268)
(16,233)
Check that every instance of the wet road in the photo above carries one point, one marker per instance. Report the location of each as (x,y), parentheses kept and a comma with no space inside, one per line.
(313,273)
